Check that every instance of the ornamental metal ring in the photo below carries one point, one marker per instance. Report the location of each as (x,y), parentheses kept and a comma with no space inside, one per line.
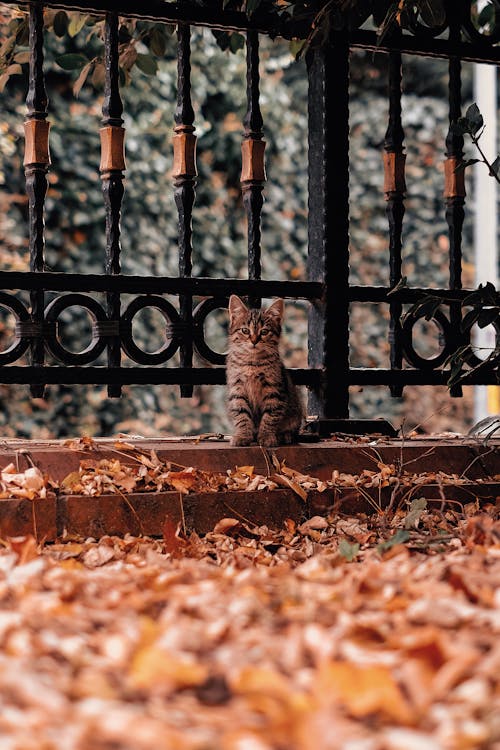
(474,35)
(200,314)
(21,342)
(420,29)
(174,330)
(472,359)
(421,363)
(98,342)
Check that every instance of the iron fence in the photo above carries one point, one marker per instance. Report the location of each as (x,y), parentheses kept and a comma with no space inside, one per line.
(327,286)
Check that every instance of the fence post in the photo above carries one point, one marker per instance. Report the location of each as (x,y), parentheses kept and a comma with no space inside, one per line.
(328,241)
(36,164)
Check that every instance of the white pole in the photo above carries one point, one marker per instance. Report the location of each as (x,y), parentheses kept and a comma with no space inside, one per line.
(486,213)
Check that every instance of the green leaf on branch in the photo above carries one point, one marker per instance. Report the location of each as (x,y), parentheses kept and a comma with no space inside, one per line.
(222,39)
(483,295)
(236,42)
(469,319)
(464,164)
(251,6)
(474,118)
(487,316)
(61,23)
(487,16)
(495,167)
(460,126)
(71,61)
(400,537)
(157,41)
(146,64)
(425,308)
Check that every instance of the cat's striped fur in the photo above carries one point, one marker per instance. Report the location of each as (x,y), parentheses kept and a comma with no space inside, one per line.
(263,403)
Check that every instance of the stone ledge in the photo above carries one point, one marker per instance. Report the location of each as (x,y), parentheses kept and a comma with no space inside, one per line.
(148,513)
(455,455)
(35,517)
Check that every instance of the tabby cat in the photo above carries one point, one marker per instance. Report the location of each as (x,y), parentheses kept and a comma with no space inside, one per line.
(263,403)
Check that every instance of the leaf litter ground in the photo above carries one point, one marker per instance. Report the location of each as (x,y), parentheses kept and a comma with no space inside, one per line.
(366,632)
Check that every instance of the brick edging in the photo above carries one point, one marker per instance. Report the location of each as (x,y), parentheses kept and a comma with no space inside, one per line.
(67,516)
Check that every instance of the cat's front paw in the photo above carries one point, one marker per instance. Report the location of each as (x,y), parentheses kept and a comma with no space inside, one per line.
(241,440)
(268,440)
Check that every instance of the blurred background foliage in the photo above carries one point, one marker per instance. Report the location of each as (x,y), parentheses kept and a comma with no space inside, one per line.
(75,210)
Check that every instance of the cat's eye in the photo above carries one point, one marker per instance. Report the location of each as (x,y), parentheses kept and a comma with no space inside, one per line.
(246,331)
(264,331)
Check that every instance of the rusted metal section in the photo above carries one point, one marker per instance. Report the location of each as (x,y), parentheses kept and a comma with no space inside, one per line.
(454,181)
(112,149)
(36,133)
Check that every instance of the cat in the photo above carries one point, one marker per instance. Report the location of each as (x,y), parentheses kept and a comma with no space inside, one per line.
(263,403)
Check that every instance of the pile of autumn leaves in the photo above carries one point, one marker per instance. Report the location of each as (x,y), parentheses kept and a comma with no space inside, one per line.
(256,639)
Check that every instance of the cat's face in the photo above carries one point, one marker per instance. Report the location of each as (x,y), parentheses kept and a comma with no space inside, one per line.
(255,330)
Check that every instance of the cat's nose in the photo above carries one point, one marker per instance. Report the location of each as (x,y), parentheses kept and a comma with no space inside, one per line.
(254,339)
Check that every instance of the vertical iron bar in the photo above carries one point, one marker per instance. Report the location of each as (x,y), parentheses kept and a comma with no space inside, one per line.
(454,193)
(395,190)
(328,254)
(253,174)
(112,166)
(184,175)
(36,163)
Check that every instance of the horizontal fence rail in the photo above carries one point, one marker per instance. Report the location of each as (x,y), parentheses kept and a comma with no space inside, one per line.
(105,297)
(471,46)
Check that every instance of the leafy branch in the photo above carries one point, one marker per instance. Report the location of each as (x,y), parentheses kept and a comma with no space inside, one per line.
(485,311)
(473,125)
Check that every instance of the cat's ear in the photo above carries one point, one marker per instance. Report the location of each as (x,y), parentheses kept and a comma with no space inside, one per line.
(275,310)
(236,306)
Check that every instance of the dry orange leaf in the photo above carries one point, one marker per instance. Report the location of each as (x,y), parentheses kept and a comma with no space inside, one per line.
(365,690)
(152,665)
(222,526)
(247,470)
(171,537)
(286,482)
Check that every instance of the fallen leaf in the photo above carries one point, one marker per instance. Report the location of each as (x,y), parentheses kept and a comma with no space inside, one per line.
(347,550)
(152,666)
(365,690)
(223,526)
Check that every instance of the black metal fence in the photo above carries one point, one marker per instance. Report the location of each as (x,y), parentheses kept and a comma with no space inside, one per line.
(327,287)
